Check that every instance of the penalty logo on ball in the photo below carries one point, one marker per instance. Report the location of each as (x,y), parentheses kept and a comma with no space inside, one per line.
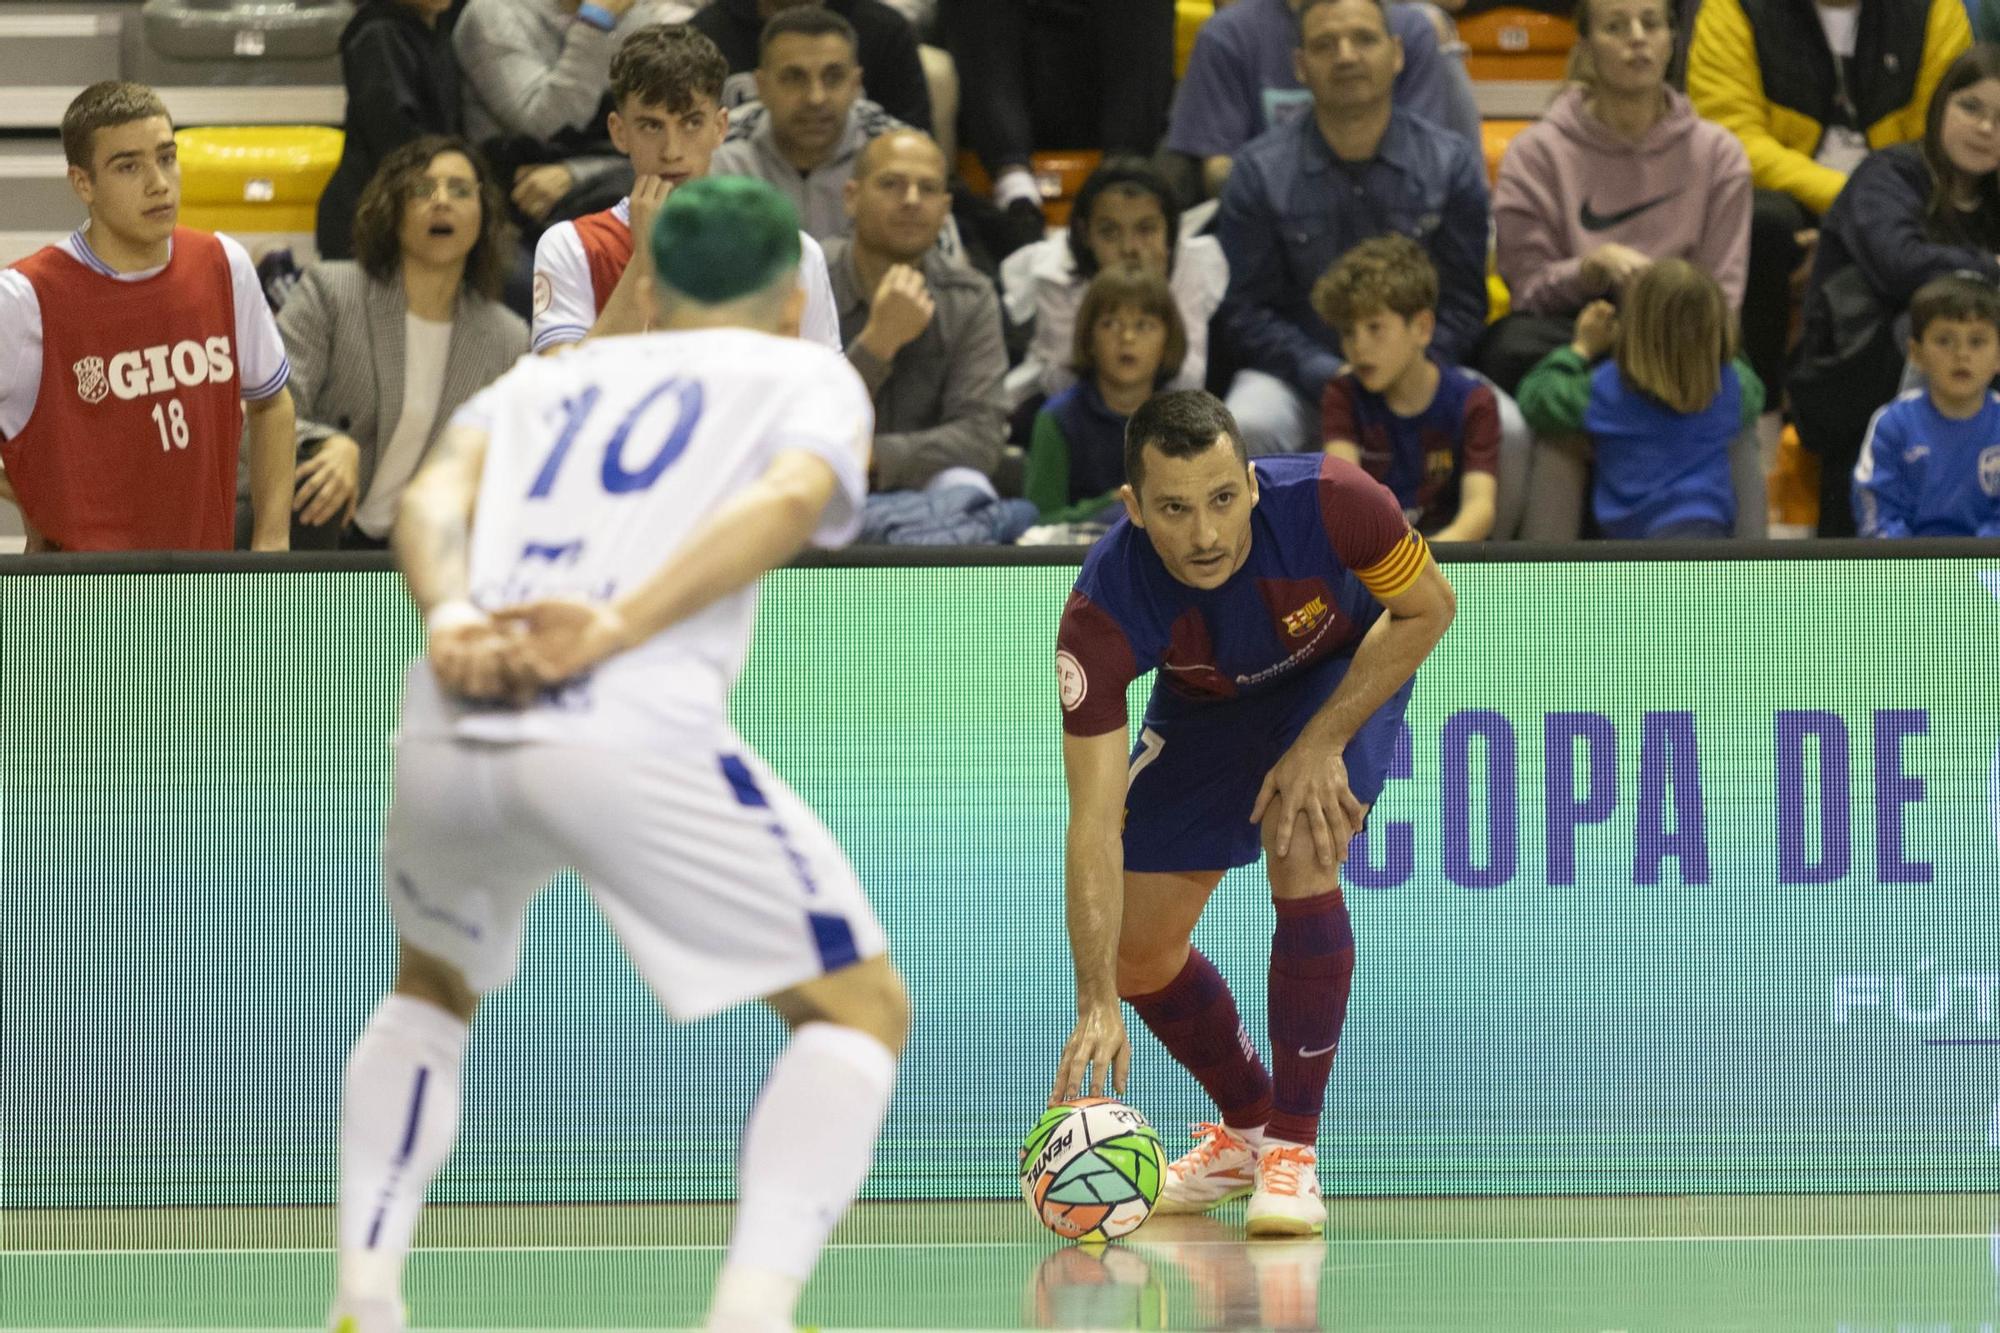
(1091,1169)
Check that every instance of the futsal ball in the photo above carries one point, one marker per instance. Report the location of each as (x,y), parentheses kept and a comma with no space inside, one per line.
(1091,1169)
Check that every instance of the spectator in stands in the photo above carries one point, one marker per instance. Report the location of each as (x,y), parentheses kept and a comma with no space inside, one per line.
(1931,464)
(1126,344)
(1057,74)
(1666,419)
(131,351)
(885,44)
(1243,79)
(1305,193)
(1428,431)
(385,347)
(590,281)
(809,122)
(1619,173)
(1910,213)
(536,73)
(924,332)
(1125,214)
(1809,88)
(402,82)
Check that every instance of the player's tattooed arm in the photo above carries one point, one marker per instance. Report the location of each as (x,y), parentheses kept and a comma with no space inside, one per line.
(1094,894)
(434,521)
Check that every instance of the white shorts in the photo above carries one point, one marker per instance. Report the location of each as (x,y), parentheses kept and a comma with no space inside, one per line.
(721,884)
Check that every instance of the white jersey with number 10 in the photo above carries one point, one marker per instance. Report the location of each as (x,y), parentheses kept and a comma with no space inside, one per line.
(600,464)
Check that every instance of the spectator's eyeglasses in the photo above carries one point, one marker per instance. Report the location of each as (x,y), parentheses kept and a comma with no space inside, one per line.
(426,187)
(1977,111)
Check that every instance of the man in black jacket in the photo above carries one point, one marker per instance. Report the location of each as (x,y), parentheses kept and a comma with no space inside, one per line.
(402,82)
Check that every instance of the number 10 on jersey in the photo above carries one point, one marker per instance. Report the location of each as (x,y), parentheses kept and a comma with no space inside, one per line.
(617,478)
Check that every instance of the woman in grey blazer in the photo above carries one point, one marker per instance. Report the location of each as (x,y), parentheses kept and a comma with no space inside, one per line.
(385,347)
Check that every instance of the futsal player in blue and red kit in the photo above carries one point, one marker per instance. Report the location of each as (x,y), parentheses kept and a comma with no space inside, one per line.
(1287,607)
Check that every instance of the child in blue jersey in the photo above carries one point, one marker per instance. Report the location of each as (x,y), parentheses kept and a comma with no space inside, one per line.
(1662,413)
(1931,463)
(1286,606)
(1428,431)
(1129,342)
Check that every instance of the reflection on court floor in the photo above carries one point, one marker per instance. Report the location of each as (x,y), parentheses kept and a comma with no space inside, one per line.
(1827,1262)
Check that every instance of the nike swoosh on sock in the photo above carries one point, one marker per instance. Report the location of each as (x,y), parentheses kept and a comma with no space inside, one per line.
(1305,1054)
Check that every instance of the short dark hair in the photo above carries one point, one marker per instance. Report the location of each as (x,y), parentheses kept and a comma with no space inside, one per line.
(806,21)
(1126,286)
(1382,273)
(1180,424)
(378,218)
(1129,175)
(104,106)
(1957,296)
(1310,5)
(668,65)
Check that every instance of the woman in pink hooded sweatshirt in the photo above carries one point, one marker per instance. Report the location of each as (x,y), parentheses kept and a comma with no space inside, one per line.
(1619,173)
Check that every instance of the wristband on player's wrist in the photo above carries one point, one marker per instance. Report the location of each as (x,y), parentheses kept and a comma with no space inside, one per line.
(452,614)
(597,16)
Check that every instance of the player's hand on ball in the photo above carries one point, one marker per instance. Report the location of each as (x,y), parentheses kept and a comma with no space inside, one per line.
(1097,1050)
(562,639)
(1311,783)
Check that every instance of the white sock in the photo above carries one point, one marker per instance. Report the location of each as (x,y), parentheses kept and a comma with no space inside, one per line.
(1016,183)
(806,1150)
(399,1114)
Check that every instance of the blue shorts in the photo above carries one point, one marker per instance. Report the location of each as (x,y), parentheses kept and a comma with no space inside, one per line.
(1195,772)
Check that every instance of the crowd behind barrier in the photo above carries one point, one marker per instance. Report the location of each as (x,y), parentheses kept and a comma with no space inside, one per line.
(1786,269)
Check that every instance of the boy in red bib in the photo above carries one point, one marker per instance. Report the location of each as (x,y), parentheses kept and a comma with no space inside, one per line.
(131,352)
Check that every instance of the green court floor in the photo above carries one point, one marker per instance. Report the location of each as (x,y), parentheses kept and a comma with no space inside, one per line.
(1840,1262)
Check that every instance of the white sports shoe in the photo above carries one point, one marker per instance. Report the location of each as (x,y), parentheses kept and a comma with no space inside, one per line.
(1286,1201)
(1221,1166)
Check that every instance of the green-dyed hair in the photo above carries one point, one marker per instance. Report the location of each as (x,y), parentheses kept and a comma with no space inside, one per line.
(724,238)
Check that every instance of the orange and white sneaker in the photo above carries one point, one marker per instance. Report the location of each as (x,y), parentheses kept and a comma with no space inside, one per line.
(1286,1201)
(1221,1166)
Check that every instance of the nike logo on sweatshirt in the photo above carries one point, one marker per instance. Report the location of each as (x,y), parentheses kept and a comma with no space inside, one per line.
(1593,220)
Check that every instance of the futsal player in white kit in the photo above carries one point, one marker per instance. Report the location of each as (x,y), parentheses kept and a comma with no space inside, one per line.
(588,539)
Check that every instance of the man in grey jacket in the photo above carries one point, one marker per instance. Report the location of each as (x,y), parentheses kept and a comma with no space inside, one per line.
(923,331)
(810,122)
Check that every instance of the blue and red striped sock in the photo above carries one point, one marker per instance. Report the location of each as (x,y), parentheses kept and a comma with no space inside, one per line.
(1312,967)
(1195,1018)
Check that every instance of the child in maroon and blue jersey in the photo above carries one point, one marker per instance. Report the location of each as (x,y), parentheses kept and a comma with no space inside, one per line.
(1428,431)
(1286,607)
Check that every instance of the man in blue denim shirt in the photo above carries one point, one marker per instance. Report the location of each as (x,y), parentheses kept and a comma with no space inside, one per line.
(1303,194)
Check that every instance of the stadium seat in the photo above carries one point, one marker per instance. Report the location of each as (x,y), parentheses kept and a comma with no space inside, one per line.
(1499,301)
(255,178)
(1794,485)
(1516,45)
(1060,173)
(1189,15)
(220,29)
(1494,136)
